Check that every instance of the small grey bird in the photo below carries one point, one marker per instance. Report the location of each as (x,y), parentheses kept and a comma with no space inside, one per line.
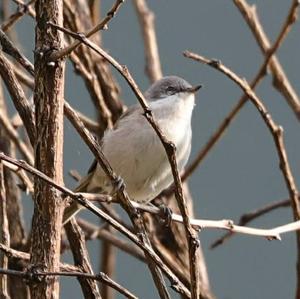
(134,150)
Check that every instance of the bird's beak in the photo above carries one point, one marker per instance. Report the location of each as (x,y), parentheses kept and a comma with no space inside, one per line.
(194,89)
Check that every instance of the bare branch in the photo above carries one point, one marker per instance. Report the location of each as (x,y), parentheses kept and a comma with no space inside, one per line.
(146,19)
(9,48)
(81,259)
(216,136)
(280,80)
(29,275)
(4,233)
(102,25)
(14,136)
(277,134)
(18,96)
(248,217)
(48,145)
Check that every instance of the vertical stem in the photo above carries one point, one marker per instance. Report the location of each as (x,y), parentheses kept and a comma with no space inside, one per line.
(48,99)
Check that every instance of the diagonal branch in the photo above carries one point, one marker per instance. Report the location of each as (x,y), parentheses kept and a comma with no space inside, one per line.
(280,80)
(18,96)
(277,134)
(289,21)
(28,275)
(146,19)
(101,26)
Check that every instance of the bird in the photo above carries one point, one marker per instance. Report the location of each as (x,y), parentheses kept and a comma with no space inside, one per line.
(134,150)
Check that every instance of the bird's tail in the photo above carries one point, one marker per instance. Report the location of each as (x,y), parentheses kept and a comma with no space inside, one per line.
(75,207)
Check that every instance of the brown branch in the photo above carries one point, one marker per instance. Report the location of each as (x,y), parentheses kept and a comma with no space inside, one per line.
(280,80)
(18,96)
(170,149)
(92,232)
(81,259)
(275,130)
(248,217)
(4,233)
(108,263)
(26,183)
(146,20)
(176,284)
(277,134)
(16,139)
(286,27)
(33,275)
(9,48)
(22,9)
(48,145)
(103,25)
(24,256)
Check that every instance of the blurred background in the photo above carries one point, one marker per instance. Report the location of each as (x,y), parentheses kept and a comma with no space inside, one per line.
(242,172)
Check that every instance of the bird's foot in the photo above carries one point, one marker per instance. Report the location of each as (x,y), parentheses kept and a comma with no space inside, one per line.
(165,214)
(119,185)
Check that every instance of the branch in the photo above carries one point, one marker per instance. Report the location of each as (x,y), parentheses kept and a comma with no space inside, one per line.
(48,146)
(22,9)
(24,256)
(81,259)
(33,275)
(275,130)
(286,27)
(18,96)
(4,233)
(15,138)
(248,217)
(280,80)
(146,19)
(92,232)
(9,48)
(101,26)
(277,134)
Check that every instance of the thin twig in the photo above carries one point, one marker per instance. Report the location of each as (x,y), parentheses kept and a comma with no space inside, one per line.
(81,259)
(16,139)
(146,19)
(101,26)
(22,9)
(280,79)
(277,134)
(92,232)
(286,27)
(248,217)
(4,233)
(18,96)
(275,130)
(29,275)
(9,48)
(24,256)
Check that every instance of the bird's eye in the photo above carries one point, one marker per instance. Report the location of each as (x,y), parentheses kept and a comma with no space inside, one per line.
(171,90)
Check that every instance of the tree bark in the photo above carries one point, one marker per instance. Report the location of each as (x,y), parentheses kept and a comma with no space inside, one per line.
(48,100)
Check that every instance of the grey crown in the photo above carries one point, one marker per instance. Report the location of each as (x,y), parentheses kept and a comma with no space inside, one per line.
(166,86)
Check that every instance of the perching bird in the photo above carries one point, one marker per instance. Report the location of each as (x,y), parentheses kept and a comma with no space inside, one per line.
(134,150)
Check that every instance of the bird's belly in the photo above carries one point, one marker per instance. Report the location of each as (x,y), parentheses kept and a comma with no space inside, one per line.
(145,169)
